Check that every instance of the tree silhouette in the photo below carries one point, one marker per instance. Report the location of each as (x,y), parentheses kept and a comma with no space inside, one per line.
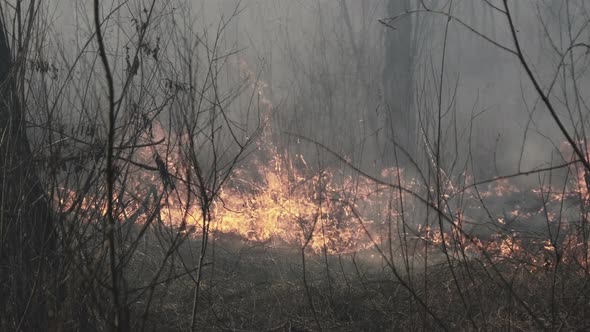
(401,47)
(26,226)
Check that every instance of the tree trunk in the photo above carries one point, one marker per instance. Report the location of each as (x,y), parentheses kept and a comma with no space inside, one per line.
(398,74)
(27,240)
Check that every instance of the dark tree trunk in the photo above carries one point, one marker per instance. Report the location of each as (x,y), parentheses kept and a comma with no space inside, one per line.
(26,229)
(398,74)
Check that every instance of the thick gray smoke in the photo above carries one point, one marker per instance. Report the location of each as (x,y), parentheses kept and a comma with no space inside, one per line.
(346,74)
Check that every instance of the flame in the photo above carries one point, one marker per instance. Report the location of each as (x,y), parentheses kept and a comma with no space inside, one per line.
(277,198)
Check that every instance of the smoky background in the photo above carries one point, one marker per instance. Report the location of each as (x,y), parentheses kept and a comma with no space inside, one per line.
(333,72)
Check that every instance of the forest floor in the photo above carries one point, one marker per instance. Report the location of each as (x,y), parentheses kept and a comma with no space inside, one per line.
(250,286)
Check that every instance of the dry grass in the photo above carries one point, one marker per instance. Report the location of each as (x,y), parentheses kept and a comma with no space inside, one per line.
(257,287)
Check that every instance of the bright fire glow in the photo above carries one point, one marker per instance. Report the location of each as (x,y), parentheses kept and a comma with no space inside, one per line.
(276,197)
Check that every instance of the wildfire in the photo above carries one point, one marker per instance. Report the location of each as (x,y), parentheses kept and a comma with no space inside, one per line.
(276,197)
(283,201)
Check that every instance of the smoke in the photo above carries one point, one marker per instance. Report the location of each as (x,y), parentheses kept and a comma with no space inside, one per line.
(324,65)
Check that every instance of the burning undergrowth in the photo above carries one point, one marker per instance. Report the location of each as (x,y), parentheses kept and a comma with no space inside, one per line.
(276,198)
(167,176)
